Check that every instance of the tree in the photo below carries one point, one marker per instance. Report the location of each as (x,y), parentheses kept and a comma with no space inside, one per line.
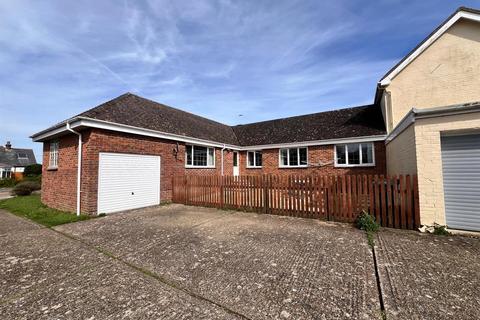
(33,170)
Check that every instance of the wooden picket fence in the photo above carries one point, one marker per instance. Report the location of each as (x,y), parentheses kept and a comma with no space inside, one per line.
(393,200)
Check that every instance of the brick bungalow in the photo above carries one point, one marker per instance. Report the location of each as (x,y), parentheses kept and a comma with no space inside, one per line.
(189,144)
(425,120)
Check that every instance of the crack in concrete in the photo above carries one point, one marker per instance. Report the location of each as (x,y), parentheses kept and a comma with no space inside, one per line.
(154,275)
(379,285)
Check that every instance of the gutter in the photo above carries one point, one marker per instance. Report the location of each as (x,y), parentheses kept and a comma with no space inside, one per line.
(106,125)
(425,113)
(79,165)
(448,110)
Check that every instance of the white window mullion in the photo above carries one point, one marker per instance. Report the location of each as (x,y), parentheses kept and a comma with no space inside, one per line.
(360,150)
(346,154)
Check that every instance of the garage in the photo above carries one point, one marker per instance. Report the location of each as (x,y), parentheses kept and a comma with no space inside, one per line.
(127,181)
(461,180)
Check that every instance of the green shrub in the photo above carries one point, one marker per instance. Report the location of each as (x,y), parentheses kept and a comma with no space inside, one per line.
(25,188)
(36,178)
(7,183)
(367,222)
(440,230)
(33,170)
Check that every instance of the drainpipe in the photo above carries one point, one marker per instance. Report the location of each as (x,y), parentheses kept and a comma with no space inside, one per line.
(223,149)
(79,165)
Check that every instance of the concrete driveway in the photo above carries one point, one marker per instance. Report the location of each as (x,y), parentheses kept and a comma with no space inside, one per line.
(428,277)
(5,193)
(194,263)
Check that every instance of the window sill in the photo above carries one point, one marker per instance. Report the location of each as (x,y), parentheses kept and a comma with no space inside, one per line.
(354,165)
(200,167)
(52,168)
(292,167)
(254,167)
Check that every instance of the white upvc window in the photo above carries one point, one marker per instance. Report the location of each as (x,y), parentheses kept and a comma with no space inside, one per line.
(355,155)
(254,159)
(5,173)
(199,157)
(53,160)
(293,157)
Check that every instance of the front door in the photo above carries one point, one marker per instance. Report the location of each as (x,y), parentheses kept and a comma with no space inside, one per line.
(236,169)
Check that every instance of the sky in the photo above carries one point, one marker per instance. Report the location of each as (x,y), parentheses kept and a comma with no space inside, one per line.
(231,61)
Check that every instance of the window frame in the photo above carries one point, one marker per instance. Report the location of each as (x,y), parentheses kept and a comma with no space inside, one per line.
(281,165)
(5,173)
(22,158)
(193,166)
(347,165)
(53,155)
(254,159)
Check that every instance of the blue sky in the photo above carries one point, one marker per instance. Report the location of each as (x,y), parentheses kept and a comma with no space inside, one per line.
(219,59)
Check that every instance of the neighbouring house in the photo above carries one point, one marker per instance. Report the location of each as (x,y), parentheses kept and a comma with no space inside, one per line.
(14,160)
(425,120)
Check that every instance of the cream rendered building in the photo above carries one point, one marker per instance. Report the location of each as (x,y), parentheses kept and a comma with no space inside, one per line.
(431,106)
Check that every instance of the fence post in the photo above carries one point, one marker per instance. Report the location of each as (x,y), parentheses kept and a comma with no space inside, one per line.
(416,203)
(265,193)
(185,191)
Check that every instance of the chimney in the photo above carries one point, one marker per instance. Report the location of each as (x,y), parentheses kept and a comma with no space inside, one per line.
(8,145)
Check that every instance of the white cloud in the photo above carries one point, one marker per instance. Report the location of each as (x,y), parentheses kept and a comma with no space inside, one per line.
(218,58)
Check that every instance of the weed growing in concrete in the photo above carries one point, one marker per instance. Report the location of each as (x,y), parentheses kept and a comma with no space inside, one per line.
(370,239)
(440,230)
(367,222)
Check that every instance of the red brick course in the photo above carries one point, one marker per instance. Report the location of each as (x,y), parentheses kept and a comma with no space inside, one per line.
(59,186)
(321,160)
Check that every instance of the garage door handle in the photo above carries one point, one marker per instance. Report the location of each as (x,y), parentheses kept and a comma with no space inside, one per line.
(133,193)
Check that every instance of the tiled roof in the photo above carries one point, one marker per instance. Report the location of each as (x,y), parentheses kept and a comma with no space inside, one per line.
(130,109)
(15,157)
(337,124)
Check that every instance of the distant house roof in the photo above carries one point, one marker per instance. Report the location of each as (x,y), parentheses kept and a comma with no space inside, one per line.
(132,110)
(14,157)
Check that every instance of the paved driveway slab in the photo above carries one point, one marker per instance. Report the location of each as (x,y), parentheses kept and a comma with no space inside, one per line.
(45,275)
(429,277)
(5,193)
(261,266)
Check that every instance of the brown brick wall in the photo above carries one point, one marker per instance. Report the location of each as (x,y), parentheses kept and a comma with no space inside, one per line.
(59,186)
(316,154)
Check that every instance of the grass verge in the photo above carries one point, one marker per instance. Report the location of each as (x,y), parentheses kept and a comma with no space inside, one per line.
(32,208)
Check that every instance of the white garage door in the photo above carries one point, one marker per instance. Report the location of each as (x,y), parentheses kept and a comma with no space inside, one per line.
(127,181)
(461,181)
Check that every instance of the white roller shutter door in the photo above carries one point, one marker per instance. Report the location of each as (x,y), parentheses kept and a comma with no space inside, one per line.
(127,181)
(461,181)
